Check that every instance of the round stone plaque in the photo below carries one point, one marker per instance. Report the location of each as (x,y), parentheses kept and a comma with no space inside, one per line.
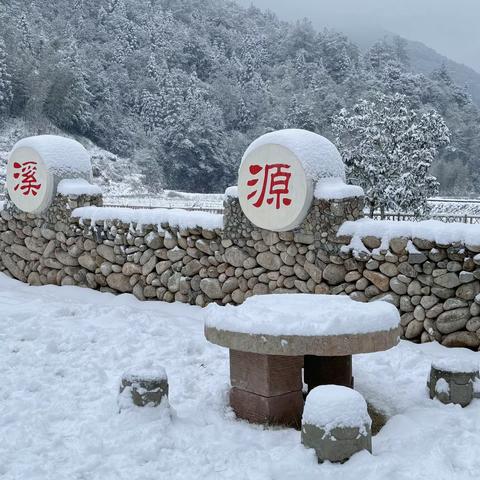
(274,191)
(36,165)
(29,183)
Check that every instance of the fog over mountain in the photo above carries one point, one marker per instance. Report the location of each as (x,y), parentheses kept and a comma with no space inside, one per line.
(449,27)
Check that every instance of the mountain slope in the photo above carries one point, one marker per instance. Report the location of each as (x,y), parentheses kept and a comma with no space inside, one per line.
(424,59)
(181,87)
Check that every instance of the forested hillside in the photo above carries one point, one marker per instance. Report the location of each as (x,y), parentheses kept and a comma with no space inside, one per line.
(182,86)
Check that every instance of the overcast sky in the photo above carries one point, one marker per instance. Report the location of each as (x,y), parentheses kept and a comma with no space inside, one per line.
(452,27)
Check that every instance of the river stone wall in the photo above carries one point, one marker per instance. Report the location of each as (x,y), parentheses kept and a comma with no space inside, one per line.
(44,248)
(434,286)
(318,229)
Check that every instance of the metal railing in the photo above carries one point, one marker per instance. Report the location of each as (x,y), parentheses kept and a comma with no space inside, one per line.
(190,208)
(448,218)
(149,201)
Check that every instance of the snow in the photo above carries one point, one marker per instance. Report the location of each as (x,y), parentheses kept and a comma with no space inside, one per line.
(476,387)
(77,186)
(145,373)
(457,365)
(433,230)
(442,386)
(336,189)
(65,157)
(156,216)
(319,157)
(331,406)
(212,202)
(411,248)
(302,314)
(63,351)
(231,192)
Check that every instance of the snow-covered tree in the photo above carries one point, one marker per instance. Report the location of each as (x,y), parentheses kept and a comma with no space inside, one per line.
(152,68)
(301,114)
(388,149)
(5,81)
(68,99)
(141,66)
(26,36)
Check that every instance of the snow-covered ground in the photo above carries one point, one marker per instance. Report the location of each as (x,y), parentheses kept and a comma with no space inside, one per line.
(169,199)
(63,349)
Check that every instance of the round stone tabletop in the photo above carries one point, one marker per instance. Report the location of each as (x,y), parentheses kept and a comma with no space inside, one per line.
(303,324)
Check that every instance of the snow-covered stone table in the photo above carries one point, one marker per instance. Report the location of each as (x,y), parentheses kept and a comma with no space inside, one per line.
(271,337)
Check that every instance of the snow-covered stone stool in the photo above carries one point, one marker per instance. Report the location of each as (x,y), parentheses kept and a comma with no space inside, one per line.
(144,386)
(271,337)
(454,381)
(336,423)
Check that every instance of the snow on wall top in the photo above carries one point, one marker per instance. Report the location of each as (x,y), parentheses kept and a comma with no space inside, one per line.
(156,216)
(319,157)
(77,186)
(65,157)
(331,406)
(336,189)
(433,230)
(231,192)
(302,314)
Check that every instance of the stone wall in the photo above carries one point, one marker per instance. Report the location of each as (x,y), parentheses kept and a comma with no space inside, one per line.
(318,229)
(44,249)
(433,285)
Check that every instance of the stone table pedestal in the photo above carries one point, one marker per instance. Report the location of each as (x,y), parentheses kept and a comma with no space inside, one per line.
(281,333)
(266,388)
(321,370)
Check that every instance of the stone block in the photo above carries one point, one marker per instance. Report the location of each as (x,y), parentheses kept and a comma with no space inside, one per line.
(145,387)
(283,409)
(336,423)
(338,444)
(453,381)
(266,375)
(328,370)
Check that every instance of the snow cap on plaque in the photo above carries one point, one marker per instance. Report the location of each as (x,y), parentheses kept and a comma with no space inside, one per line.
(36,165)
(278,174)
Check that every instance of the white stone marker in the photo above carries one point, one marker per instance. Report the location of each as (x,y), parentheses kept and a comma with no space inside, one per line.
(277,175)
(36,165)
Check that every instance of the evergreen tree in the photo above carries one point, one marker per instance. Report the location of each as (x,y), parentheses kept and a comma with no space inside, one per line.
(152,68)
(72,110)
(6,95)
(388,149)
(197,81)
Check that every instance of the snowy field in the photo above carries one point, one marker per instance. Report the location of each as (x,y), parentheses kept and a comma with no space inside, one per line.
(169,199)
(63,350)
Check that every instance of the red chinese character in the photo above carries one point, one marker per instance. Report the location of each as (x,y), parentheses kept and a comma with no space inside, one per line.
(274,184)
(28,183)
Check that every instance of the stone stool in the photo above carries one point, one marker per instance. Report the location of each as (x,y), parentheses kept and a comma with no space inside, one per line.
(336,423)
(454,381)
(145,386)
